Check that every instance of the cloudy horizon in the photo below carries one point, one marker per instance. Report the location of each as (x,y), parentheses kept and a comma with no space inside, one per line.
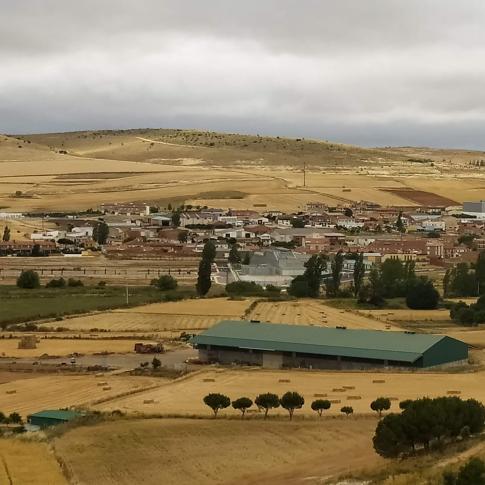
(374,73)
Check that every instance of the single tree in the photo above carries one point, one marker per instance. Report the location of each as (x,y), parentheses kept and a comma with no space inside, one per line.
(422,295)
(101,232)
(380,404)
(234,256)
(242,404)
(320,405)
(175,218)
(291,401)
(209,251)
(333,285)
(216,402)
(400,223)
(359,273)
(204,277)
(6,234)
(36,251)
(28,279)
(347,410)
(314,268)
(156,364)
(267,401)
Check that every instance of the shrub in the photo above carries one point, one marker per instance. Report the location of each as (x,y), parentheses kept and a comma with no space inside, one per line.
(73,283)
(56,283)
(380,404)
(165,282)
(28,279)
(244,288)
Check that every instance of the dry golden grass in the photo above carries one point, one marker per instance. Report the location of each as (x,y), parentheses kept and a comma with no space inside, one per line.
(312,312)
(185,397)
(59,391)
(407,315)
(65,347)
(203,452)
(28,463)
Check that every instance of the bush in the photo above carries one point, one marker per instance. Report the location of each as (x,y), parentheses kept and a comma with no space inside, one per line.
(56,283)
(347,410)
(71,282)
(320,405)
(244,288)
(300,287)
(28,280)
(165,282)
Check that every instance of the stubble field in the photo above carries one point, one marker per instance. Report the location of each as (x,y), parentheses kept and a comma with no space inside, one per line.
(343,388)
(149,451)
(28,463)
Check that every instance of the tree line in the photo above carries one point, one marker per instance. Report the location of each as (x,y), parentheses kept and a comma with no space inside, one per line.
(427,422)
(291,401)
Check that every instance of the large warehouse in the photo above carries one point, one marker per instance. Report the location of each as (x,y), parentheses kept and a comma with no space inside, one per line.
(278,345)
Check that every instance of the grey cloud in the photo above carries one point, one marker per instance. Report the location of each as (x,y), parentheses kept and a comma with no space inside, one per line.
(369,72)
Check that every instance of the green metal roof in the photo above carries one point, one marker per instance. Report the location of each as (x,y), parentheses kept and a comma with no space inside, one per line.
(60,414)
(369,344)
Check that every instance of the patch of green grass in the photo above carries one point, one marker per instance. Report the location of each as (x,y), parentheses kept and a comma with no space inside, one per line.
(20,305)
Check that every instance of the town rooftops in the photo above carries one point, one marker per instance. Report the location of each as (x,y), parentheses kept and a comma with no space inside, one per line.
(369,344)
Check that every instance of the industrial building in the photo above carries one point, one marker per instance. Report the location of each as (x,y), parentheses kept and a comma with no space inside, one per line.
(278,346)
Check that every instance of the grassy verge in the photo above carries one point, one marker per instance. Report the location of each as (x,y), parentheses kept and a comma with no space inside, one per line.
(19,305)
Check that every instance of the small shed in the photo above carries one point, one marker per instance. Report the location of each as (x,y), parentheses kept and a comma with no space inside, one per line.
(52,417)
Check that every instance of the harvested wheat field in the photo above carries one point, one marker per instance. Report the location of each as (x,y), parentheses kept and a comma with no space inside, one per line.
(408,315)
(149,451)
(26,396)
(25,462)
(312,312)
(356,389)
(65,347)
(197,314)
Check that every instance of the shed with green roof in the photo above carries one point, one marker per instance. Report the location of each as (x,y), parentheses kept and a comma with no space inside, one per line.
(51,417)
(279,345)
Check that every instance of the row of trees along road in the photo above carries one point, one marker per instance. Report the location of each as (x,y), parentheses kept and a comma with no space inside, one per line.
(290,401)
(391,279)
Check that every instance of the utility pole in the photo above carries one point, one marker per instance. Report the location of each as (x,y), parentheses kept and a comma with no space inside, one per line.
(304,173)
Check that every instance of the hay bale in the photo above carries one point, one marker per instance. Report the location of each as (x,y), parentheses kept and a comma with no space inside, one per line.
(11,391)
(102,383)
(148,401)
(378,381)
(99,375)
(339,389)
(107,388)
(335,401)
(353,398)
(393,398)
(349,387)
(208,380)
(453,392)
(284,380)
(320,395)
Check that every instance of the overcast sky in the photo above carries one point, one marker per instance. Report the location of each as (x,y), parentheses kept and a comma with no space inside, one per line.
(370,72)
